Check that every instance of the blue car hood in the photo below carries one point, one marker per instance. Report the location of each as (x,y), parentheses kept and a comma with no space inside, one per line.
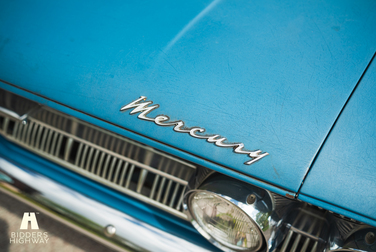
(273,75)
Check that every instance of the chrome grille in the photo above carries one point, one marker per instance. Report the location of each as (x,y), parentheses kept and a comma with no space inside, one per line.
(306,233)
(110,159)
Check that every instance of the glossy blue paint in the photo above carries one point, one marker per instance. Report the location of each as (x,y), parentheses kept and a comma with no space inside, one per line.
(344,173)
(145,140)
(116,200)
(273,75)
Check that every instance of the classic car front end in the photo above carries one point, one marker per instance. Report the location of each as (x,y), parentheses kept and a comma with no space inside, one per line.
(193,126)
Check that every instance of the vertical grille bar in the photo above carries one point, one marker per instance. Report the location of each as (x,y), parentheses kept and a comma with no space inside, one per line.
(111,168)
(24,131)
(106,164)
(95,160)
(290,233)
(141,180)
(129,176)
(68,149)
(287,241)
(5,125)
(315,245)
(18,133)
(178,206)
(299,236)
(28,134)
(39,135)
(117,170)
(167,193)
(122,176)
(78,154)
(160,189)
(34,134)
(89,158)
(307,240)
(156,179)
(15,129)
(59,143)
(83,157)
(314,248)
(44,138)
(48,142)
(152,192)
(99,169)
(54,143)
(174,194)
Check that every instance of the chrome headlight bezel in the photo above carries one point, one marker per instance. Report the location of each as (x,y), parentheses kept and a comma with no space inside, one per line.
(242,207)
(259,209)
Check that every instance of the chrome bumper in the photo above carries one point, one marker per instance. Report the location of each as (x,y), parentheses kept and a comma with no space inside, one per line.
(85,214)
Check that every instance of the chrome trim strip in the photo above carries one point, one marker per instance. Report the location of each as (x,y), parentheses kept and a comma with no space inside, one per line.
(13,114)
(130,234)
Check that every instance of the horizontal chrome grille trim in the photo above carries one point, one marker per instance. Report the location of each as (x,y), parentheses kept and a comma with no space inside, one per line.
(117,162)
(82,154)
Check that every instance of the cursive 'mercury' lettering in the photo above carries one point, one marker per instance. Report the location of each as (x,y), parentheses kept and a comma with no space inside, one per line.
(162,120)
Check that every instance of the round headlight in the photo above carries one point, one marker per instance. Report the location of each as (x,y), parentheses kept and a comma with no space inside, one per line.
(215,217)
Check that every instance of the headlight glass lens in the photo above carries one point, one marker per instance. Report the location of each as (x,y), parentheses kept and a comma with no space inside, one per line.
(225,222)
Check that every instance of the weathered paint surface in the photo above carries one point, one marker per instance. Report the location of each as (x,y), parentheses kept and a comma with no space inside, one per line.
(272,75)
(344,173)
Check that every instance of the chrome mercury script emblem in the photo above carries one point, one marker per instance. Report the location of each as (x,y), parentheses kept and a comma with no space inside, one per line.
(162,120)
